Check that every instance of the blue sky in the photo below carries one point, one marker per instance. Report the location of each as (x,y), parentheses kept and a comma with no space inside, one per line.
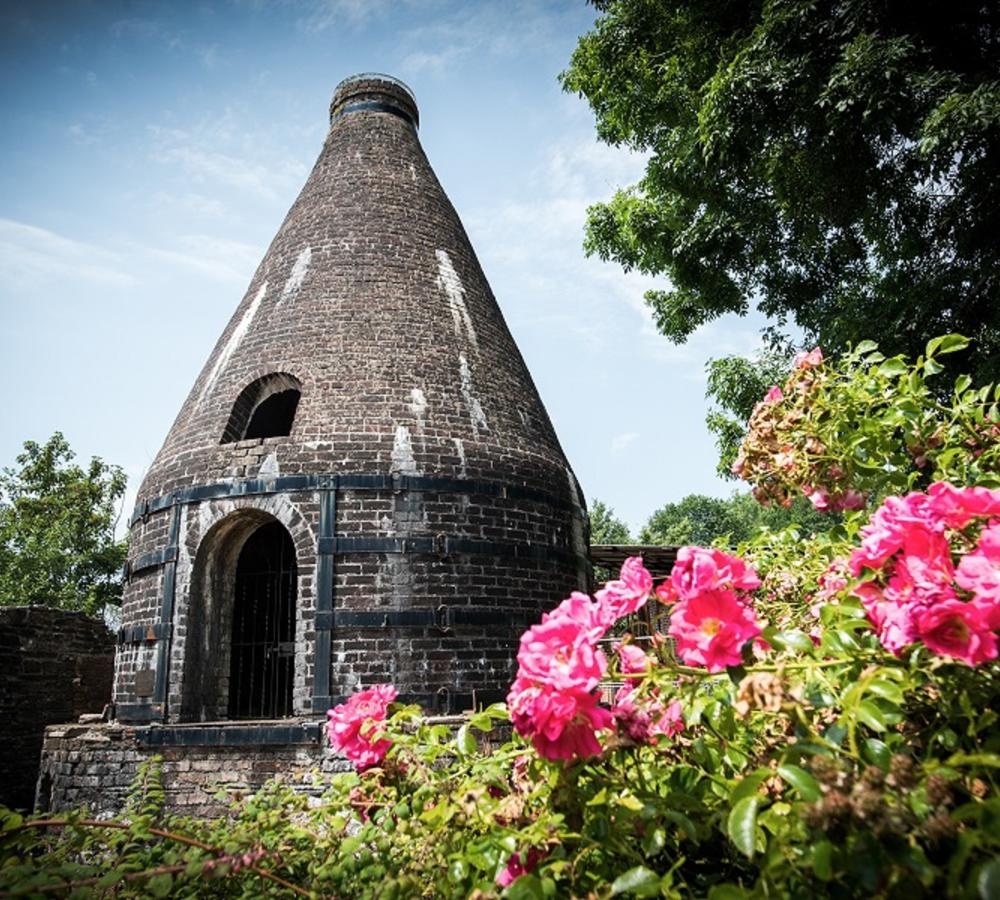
(151,149)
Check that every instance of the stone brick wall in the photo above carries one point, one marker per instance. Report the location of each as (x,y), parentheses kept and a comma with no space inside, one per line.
(54,666)
(371,297)
(93,766)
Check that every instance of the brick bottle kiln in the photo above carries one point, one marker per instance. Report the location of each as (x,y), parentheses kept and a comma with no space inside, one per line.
(363,484)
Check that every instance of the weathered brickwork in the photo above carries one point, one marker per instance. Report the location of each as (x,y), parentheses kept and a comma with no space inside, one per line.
(371,300)
(93,766)
(55,665)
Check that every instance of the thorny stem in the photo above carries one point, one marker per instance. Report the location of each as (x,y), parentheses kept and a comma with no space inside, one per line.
(168,835)
(87,882)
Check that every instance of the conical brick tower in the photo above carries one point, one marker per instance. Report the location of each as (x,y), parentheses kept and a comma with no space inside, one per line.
(363,485)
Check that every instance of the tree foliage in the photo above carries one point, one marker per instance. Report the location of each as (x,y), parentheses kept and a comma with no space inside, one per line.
(606,527)
(57,524)
(697,519)
(836,164)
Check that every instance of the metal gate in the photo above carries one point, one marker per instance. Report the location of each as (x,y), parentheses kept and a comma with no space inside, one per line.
(262,666)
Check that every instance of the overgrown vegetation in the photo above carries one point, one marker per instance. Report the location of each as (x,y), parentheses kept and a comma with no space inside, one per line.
(818,717)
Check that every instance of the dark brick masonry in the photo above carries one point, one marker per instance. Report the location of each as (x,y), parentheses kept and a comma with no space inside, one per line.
(54,666)
(370,301)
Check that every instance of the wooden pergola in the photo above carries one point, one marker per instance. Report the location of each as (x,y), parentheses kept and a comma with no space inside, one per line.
(658,560)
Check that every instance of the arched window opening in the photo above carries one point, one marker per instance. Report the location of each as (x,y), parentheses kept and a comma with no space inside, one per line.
(265,408)
(262,662)
(273,417)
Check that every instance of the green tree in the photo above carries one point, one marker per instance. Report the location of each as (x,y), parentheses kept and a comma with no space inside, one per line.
(605,527)
(835,164)
(697,519)
(57,524)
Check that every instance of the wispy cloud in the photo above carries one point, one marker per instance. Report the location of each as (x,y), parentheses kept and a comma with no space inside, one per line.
(189,203)
(495,29)
(323,14)
(205,158)
(136,29)
(621,442)
(81,136)
(34,258)
(222,260)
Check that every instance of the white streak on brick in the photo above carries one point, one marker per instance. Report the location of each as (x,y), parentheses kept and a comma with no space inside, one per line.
(402,452)
(239,332)
(460,450)
(571,478)
(476,414)
(297,275)
(418,404)
(413,174)
(454,290)
(269,468)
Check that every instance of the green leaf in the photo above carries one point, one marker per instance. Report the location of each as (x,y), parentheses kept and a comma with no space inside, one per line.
(822,860)
(465,741)
(629,801)
(988,882)
(888,691)
(891,368)
(962,384)
(797,640)
(527,887)
(865,347)
(161,885)
(748,785)
(802,781)
(654,841)
(682,822)
(600,798)
(868,712)
(948,343)
(640,881)
(877,753)
(742,825)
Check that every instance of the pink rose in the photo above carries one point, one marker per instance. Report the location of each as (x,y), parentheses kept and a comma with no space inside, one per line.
(699,569)
(711,628)
(643,719)
(560,723)
(979,571)
(774,395)
(627,594)
(818,497)
(562,650)
(959,630)
(633,660)
(515,868)
(808,360)
(895,623)
(851,499)
(352,725)
(833,580)
(892,524)
(957,506)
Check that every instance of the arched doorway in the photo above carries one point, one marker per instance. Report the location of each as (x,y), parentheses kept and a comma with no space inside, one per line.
(262,654)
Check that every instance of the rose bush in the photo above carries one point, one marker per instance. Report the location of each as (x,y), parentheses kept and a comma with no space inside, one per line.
(817,716)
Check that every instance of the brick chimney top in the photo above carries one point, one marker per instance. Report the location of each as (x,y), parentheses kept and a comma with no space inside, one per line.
(373,92)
